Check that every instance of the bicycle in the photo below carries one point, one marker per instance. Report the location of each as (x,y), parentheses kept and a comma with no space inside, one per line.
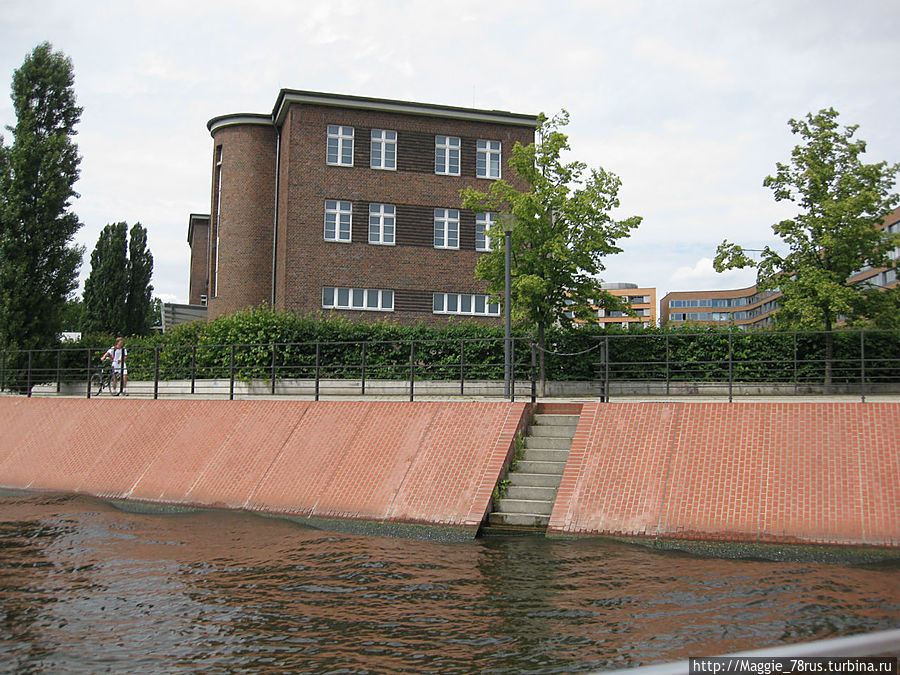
(102,380)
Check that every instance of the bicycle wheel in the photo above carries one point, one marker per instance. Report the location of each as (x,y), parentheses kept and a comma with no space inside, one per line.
(97,383)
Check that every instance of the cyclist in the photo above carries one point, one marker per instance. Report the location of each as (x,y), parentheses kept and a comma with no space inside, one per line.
(117,355)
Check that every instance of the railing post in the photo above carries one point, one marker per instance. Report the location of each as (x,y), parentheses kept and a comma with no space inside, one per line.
(3,373)
(462,367)
(193,368)
(533,373)
(28,375)
(512,370)
(606,368)
(318,356)
(89,364)
(273,369)
(412,370)
(862,365)
(362,379)
(58,371)
(796,373)
(155,372)
(231,376)
(730,368)
(668,366)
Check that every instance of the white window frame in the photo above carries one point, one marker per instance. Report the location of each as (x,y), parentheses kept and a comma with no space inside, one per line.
(483,223)
(335,212)
(358,299)
(339,150)
(447,151)
(488,159)
(464,304)
(446,228)
(382,224)
(384,148)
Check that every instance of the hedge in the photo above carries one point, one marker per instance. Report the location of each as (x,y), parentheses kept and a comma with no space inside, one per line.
(292,340)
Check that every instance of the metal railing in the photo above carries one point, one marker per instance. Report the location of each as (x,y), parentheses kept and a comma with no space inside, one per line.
(312,369)
(611,367)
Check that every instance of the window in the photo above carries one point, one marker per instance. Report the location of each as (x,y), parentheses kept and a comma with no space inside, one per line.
(446,155)
(384,149)
(338,219)
(364,299)
(446,228)
(381,224)
(465,303)
(483,223)
(487,159)
(340,145)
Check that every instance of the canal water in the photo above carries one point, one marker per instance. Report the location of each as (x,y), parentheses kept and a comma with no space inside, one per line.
(86,588)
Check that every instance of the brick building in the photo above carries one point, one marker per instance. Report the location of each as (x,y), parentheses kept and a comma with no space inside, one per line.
(350,204)
(749,308)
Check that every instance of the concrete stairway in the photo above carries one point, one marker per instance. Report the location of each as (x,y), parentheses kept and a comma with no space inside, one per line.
(526,505)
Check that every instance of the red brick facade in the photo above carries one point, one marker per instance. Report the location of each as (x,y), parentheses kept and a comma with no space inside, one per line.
(245,271)
(198,240)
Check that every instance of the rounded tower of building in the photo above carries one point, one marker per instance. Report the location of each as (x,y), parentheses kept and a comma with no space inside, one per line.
(242,212)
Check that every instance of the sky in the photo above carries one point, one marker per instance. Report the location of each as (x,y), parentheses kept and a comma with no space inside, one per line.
(687,101)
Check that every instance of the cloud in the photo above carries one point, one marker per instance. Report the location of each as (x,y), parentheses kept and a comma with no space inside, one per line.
(702,276)
(708,70)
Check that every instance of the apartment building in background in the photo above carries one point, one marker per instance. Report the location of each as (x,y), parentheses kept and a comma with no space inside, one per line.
(750,309)
(351,205)
(641,299)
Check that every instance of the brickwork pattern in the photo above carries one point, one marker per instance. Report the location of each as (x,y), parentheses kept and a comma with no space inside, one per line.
(242,219)
(310,262)
(770,472)
(411,463)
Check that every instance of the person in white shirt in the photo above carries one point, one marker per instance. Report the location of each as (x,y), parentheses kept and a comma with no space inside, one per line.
(117,355)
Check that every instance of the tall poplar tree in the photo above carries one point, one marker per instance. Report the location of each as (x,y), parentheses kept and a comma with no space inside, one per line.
(106,288)
(139,302)
(38,260)
(117,293)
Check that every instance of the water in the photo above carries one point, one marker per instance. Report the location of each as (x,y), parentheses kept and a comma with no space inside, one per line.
(85,588)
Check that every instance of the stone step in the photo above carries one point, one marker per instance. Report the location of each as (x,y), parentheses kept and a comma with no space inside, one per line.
(545,455)
(551,431)
(542,507)
(545,493)
(519,520)
(543,419)
(548,443)
(555,468)
(524,479)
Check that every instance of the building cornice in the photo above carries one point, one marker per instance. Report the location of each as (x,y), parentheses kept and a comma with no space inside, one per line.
(288,97)
(222,121)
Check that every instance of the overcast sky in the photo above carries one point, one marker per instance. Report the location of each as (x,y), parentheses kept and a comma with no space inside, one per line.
(687,101)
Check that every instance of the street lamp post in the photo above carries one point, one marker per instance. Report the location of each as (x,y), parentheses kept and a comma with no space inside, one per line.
(508,221)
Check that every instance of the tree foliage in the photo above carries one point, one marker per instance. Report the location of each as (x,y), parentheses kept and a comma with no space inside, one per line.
(563,230)
(117,293)
(841,201)
(38,259)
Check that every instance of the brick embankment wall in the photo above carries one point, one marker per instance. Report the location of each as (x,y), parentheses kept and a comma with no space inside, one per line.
(763,472)
(380,464)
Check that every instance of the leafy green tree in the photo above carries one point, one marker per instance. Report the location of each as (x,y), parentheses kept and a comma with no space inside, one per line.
(38,260)
(563,230)
(117,293)
(73,315)
(138,303)
(106,288)
(841,202)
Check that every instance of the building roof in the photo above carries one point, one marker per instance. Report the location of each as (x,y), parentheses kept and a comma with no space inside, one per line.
(287,97)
